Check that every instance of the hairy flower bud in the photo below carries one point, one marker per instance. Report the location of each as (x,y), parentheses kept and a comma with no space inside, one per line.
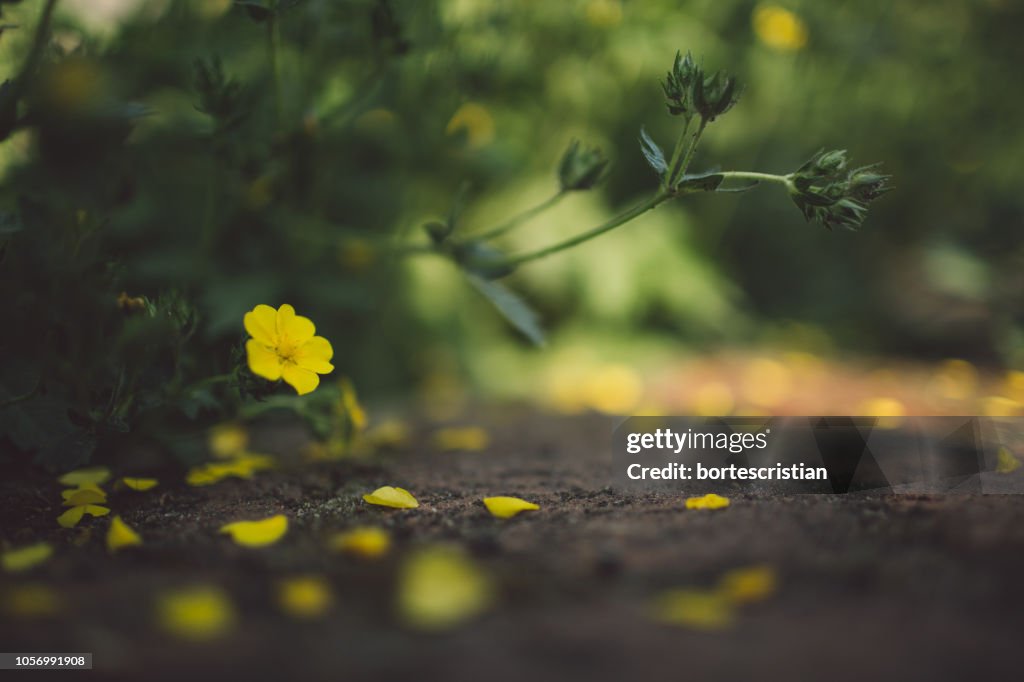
(714,95)
(824,192)
(678,85)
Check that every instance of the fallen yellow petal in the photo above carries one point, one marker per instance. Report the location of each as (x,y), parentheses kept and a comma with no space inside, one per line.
(709,501)
(197,613)
(242,465)
(31,601)
(257,533)
(87,493)
(368,542)
(399,498)
(1005,461)
(80,477)
(439,588)
(71,517)
(139,484)
(24,558)
(507,507)
(694,609)
(121,535)
(750,584)
(461,438)
(305,597)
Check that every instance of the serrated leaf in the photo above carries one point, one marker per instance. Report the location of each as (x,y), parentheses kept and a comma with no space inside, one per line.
(652,152)
(515,310)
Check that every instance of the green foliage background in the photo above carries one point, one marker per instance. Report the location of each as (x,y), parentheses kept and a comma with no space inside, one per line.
(207,195)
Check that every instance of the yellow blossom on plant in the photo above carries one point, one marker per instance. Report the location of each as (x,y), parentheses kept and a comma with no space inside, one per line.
(439,588)
(709,501)
(24,558)
(461,438)
(79,477)
(139,484)
(475,121)
(1005,461)
(507,507)
(305,596)
(778,28)
(257,533)
(367,542)
(696,609)
(197,613)
(399,498)
(750,584)
(284,346)
(120,534)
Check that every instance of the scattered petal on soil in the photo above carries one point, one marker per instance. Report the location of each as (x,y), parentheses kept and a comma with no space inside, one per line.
(507,507)
(696,609)
(469,438)
(197,613)
(71,517)
(257,533)
(305,596)
(367,542)
(139,484)
(31,600)
(24,558)
(399,498)
(440,588)
(1005,461)
(87,493)
(80,477)
(749,584)
(120,534)
(709,501)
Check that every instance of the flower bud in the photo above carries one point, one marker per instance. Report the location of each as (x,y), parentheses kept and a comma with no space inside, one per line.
(678,85)
(581,167)
(714,95)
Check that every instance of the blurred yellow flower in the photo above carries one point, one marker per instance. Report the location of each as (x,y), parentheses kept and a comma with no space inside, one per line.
(227,440)
(1005,461)
(120,534)
(31,600)
(257,533)
(387,496)
(79,477)
(284,346)
(461,438)
(696,609)
(305,596)
(778,28)
(139,484)
(24,558)
(507,507)
(440,588)
(955,379)
(750,584)
(367,542)
(475,121)
(196,613)
(766,382)
(709,501)
(613,389)
(390,433)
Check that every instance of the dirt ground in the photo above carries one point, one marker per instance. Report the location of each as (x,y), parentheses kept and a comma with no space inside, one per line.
(870,586)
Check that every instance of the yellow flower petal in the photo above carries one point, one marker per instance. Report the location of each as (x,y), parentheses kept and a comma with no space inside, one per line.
(1005,461)
(121,535)
(293,329)
(709,501)
(197,613)
(261,323)
(315,355)
(139,483)
(227,440)
(87,493)
(461,438)
(507,507)
(439,588)
(305,597)
(31,601)
(694,609)
(263,360)
(367,542)
(750,584)
(257,533)
(24,558)
(399,498)
(71,517)
(80,477)
(302,380)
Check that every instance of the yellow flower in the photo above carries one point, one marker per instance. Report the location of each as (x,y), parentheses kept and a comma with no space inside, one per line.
(779,29)
(507,507)
(284,346)
(139,484)
(367,542)
(305,596)
(257,533)
(399,498)
(197,613)
(439,588)
(17,560)
(120,534)
(709,501)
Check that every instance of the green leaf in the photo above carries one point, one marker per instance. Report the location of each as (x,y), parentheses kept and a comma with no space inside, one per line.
(482,260)
(652,152)
(704,182)
(515,310)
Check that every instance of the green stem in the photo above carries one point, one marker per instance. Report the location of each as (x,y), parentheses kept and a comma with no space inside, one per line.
(611,224)
(520,218)
(677,171)
(677,154)
(759,177)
